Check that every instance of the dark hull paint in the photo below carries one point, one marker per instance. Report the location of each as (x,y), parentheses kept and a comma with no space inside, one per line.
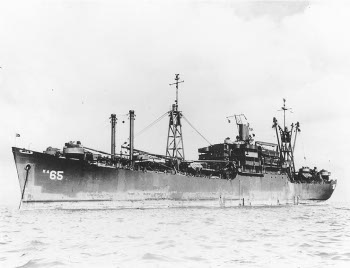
(53,179)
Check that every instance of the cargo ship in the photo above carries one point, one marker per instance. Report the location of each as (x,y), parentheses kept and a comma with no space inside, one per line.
(237,172)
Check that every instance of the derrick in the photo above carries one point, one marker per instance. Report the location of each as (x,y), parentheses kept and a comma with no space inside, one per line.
(284,139)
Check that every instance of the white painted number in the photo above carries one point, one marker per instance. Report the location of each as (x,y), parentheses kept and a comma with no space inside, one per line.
(52,174)
(59,175)
(56,175)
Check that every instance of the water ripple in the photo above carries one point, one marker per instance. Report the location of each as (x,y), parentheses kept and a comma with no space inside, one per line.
(297,236)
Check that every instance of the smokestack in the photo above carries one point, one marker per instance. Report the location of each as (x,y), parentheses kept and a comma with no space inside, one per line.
(132,118)
(243,132)
(113,123)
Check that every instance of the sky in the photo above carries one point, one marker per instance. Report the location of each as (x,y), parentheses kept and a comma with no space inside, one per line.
(67,65)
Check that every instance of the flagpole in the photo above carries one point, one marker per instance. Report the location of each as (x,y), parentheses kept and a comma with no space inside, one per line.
(16,136)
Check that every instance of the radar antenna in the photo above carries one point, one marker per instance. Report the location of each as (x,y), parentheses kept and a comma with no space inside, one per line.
(175,148)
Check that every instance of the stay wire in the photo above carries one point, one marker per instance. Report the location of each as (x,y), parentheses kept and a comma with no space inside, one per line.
(188,122)
(150,125)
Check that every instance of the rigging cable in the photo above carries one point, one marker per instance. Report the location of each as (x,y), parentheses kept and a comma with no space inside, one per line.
(150,125)
(196,129)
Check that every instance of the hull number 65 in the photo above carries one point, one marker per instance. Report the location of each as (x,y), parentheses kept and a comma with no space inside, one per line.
(54,174)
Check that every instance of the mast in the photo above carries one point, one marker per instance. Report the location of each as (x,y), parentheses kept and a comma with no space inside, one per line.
(175,148)
(284,109)
(177,78)
(131,138)
(113,123)
(285,140)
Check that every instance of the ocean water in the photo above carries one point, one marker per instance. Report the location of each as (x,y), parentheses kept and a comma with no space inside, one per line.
(284,236)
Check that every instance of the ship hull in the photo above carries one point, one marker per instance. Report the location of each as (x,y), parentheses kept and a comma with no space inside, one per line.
(46,178)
